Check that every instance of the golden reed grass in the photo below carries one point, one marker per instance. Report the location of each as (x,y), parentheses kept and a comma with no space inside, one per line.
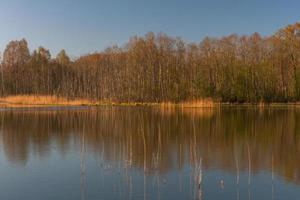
(199,103)
(46,100)
(43,100)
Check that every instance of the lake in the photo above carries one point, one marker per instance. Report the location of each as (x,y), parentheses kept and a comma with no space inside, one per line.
(150,153)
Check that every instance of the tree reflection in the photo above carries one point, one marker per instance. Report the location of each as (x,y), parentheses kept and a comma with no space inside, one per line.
(156,140)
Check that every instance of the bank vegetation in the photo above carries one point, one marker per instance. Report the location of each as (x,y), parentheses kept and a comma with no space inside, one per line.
(157,68)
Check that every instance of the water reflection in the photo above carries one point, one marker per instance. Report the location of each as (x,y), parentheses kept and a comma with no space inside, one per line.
(157,142)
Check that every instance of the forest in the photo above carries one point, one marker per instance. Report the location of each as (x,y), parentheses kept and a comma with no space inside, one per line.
(159,68)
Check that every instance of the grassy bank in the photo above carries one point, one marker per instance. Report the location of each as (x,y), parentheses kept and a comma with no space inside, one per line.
(52,101)
(47,101)
(40,101)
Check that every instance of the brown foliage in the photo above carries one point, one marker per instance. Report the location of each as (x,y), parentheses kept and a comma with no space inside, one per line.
(158,68)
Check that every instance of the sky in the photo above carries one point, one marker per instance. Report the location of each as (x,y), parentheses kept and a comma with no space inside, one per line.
(86,26)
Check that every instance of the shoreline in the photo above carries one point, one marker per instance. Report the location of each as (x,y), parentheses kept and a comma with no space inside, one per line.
(30,101)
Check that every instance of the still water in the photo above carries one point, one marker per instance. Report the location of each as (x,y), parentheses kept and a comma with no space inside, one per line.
(150,153)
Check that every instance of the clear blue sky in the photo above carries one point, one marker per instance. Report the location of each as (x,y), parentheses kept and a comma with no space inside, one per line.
(84,26)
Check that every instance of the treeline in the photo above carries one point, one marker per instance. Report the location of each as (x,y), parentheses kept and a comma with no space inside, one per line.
(159,68)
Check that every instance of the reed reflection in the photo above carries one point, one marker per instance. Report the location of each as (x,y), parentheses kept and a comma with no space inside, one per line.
(158,140)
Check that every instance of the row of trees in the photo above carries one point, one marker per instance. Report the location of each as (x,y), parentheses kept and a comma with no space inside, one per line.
(157,68)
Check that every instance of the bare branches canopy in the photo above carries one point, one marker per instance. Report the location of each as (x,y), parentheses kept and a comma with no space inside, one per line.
(158,68)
